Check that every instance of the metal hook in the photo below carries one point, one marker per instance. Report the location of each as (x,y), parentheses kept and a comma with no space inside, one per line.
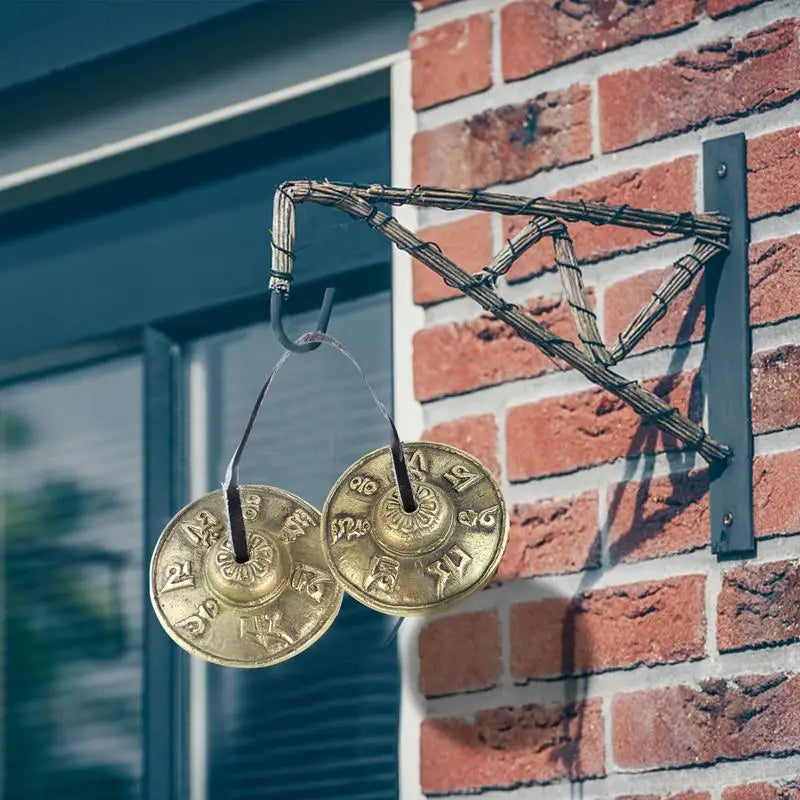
(275,313)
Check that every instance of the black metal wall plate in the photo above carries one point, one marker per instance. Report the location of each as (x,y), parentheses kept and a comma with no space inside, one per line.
(728,351)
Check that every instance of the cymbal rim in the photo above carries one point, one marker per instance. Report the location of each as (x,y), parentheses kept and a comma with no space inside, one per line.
(193,650)
(427,609)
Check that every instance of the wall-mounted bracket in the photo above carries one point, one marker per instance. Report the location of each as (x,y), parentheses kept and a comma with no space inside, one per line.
(728,351)
(728,335)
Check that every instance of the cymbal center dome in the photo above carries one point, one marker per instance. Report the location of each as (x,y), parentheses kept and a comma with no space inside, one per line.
(258,580)
(413,532)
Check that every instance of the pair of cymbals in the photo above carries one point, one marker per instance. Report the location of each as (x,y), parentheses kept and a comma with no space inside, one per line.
(287,594)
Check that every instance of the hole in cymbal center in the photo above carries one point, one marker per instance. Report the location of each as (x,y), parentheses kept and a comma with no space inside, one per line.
(410,505)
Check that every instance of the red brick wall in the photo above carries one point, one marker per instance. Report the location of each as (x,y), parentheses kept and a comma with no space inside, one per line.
(613,650)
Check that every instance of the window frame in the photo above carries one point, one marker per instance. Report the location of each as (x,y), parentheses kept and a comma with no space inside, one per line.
(171,718)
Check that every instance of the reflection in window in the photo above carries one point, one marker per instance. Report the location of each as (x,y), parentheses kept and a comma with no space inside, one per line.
(71,544)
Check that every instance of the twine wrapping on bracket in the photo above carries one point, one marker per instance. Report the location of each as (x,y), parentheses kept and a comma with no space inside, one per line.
(548,218)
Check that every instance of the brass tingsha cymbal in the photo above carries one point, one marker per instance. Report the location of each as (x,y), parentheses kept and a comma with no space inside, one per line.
(418,562)
(244,615)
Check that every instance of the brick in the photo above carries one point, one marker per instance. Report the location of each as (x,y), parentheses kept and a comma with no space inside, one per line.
(552,536)
(790,790)
(758,605)
(719,82)
(476,435)
(719,8)
(507,143)
(451,60)
(658,517)
(678,796)
(506,747)
(463,356)
(773,173)
(539,34)
(460,653)
(722,719)
(467,241)
(651,622)
(684,321)
(775,399)
(775,280)
(563,434)
(669,186)
(776,487)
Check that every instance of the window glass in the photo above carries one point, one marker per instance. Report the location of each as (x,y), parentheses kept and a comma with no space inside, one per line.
(71,544)
(324,723)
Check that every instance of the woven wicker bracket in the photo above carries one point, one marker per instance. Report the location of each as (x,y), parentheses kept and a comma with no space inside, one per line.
(548,218)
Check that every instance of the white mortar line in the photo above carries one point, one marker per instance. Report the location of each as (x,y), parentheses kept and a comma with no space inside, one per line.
(699,188)
(776,442)
(545,284)
(504,614)
(712,590)
(603,524)
(768,337)
(608,735)
(456,309)
(645,53)
(496,54)
(777,226)
(594,117)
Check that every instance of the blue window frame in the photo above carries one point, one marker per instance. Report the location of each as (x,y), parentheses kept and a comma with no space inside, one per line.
(153,269)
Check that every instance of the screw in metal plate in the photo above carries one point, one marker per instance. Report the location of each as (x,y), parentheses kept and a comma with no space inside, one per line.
(722,170)
(727,519)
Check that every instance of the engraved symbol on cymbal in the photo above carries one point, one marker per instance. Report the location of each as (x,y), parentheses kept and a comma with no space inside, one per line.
(309,580)
(264,629)
(383,572)
(196,624)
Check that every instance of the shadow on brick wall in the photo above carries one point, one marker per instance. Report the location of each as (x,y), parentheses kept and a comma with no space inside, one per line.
(557,643)
(647,522)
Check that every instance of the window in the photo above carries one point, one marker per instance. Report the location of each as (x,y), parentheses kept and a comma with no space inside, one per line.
(116,296)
